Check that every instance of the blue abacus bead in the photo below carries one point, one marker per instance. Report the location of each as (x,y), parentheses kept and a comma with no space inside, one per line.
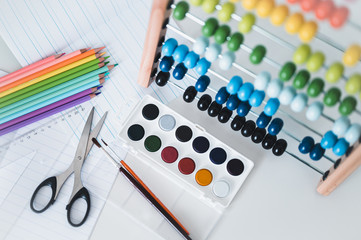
(191,60)
(317,152)
(271,107)
(299,102)
(274,88)
(353,133)
(179,71)
(202,83)
(222,95)
(340,147)
(212,52)
(202,66)
(243,109)
(340,126)
(234,84)
(262,80)
(275,126)
(169,47)
(328,140)
(166,64)
(227,60)
(232,102)
(180,53)
(245,91)
(256,98)
(314,111)
(200,45)
(306,145)
(263,120)
(287,95)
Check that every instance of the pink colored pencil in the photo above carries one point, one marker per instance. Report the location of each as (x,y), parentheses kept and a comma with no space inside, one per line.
(31,66)
(47,65)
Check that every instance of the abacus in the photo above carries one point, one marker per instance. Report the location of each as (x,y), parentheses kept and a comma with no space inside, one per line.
(237,81)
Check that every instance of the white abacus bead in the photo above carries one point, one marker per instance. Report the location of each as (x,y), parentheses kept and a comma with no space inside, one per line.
(353,133)
(287,95)
(200,45)
(314,111)
(299,102)
(274,88)
(262,80)
(212,52)
(226,61)
(340,126)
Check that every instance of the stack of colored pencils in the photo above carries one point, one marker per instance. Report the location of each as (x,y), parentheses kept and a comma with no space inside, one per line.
(50,86)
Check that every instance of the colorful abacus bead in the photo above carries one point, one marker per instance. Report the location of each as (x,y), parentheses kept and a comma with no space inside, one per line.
(324,9)
(299,102)
(275,126)
(234,84)
(353,84)
(221,34)
(334,72)
(202,66)
(247,22)
(200,45)
(227,60)
(352,55)
(248,128)
(169,47)
(258,135)
(269,141)
(271,106)
(235,41)
(232,102)
(245,91)
(302,54)
(315,87)
(262,80)
(340,147)
(166,64)
(212,52)
(202,83)
(189,94)
(279,147)
(279,15)
(328,140)
(308,5)
(306,145)
(210,27)
(315,62)
(340,126)
(209,6)
(339,17)
(214,109)
(308,31)
(256,98)
(347,105)
(224,15)
(263,120)
(274,88)
(204,102)
(317,152)
(243,108)
(264,8)
(222,95)
(249,4)
(191,60)
(314,111)
(257,54)
(332,96)
(287,95)
(294,23)
(179,71)
(301,79)
(180,10)
(224,115)
(287,71)
(237,123)
(162,78)
(180,53)
(353,133)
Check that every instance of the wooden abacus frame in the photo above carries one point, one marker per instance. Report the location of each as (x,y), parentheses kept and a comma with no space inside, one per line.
(156,31)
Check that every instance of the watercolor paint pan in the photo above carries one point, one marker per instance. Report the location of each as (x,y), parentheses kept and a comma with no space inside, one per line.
(201,163)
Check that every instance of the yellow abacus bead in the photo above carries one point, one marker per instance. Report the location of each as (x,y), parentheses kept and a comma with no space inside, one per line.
(307,31)
(249,4)
(294,23)
(265,7)
(352,55)
(279,15)
(234,1)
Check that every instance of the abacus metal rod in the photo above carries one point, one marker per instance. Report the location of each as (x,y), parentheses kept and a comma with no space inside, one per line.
(289,153)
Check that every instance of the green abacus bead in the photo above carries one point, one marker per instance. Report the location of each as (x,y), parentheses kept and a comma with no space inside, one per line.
(245,25)
(353,84)
(196,2)
(332,96)
(180,10)
(221,34)
(209,6)
(257,54)
(301,79)
(316,87)
(315,62)
(334,72)
(347,106)
(224,15)
(302,53)
(210,27)
(287,71)
(235,41)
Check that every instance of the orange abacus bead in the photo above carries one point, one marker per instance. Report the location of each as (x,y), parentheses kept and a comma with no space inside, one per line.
(279,15)
(308,5)
(307,31)
(339,17)
(265,7)
(294,23)
(324,9)
(249,4)
(293,1)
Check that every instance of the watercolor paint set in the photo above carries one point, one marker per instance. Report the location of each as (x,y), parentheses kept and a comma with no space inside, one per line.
(185,152)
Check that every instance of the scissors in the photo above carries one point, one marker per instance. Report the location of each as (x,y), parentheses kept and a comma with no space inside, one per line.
(56,182)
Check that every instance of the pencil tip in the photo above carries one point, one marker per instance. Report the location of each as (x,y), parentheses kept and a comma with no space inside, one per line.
(106,62)
(106,74)
(96,94)
(116,64)
(104,142)
(95,141)
(99,87)
(106,57)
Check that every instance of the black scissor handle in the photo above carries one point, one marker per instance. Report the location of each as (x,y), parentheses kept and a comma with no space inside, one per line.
(51,182)
(82,193)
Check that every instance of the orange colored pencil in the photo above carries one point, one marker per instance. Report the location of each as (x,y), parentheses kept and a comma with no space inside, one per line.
(29,67)
(60,64)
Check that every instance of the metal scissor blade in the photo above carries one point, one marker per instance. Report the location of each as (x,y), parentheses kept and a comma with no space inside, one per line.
(95,133)
(83,142)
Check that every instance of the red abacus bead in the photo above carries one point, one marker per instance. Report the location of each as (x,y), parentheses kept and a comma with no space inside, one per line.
(339,17)
(293,1)
(308,5)
(324,9)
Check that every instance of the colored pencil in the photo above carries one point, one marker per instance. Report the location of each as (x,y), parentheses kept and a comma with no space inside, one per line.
(30,67)
(15,86)
(42,69)
(48,113)
(67,86)
(17,112)
(85,73)
(49,107)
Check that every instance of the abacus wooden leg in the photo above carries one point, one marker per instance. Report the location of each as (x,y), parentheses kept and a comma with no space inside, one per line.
(343,168)
(158,20)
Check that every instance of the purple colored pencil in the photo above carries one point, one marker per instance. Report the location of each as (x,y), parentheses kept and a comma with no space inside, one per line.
(48,113)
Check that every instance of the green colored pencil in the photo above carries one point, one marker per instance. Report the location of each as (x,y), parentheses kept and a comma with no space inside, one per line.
(53,81)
